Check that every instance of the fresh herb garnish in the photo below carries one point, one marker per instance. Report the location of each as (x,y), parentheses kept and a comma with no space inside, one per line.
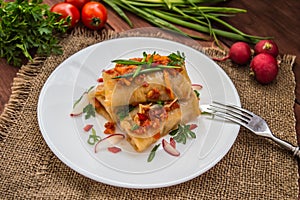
(160,103)
(197,93)
(78,100)
(177,59)
(181,134)
(26,27)
(129,62)
(93,138)
(134,127)
(137,71)
(124,111)
(152,153)
(144,66)
(89,111)
(148,70)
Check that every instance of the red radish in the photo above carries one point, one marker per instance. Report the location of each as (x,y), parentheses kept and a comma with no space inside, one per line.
(109,141)
(239,53)
(169,148)
(114,149)
(87,127)
(197,86)
(80,105)
(173,142)
(193,126)
(264,67)
(266,46)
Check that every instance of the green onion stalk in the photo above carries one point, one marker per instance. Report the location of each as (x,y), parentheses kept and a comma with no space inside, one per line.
(191,14)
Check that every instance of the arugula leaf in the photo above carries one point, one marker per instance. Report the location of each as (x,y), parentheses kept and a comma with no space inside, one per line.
(29,27)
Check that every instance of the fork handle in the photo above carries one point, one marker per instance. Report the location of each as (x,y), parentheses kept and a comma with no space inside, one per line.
(288,146)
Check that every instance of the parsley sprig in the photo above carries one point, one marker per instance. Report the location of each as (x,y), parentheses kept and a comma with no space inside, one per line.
(181,134)
(89,111)
(26,27)
(177,58)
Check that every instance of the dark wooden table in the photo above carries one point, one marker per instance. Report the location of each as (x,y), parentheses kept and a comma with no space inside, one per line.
(279,19)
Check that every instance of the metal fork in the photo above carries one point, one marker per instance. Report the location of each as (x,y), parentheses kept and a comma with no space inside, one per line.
(250,121)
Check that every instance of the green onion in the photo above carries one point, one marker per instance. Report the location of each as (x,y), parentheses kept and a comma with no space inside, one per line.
(144,71)
(129,62)
(147,70)
(191,14)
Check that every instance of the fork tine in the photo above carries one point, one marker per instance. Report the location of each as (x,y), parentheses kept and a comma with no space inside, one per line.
(225,116)
(230,112)
(235,107)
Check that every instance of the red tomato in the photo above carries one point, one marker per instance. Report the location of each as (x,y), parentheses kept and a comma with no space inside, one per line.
(94,15)
(66,10)
(77,3)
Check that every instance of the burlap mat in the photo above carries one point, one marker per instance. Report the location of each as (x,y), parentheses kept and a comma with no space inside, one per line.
(255,168)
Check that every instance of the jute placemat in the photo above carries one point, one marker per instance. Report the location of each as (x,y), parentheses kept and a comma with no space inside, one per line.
(255,168)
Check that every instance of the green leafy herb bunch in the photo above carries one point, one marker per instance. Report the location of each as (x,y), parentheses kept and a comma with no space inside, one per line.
(28,26)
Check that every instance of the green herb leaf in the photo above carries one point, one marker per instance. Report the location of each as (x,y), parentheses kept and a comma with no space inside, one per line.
(27,27)
(134,127)
(177,59)
(128,62)
(197,93)
(152,153)
(182,133)
(144,71)
(89,111)
(173,132)
(137,71)
(123,111)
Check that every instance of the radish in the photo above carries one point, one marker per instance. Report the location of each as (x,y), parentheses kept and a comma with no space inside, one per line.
(114,149)
(266,46)
(197,86)
(239,53)
(264,67)
(169,148)
(109,141)
(79,105)
(87,127)
(193,126)
(173,142)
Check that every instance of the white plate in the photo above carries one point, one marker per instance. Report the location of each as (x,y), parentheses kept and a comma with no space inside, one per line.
(65,137)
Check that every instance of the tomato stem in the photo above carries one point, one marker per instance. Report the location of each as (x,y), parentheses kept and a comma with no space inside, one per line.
(95,21)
